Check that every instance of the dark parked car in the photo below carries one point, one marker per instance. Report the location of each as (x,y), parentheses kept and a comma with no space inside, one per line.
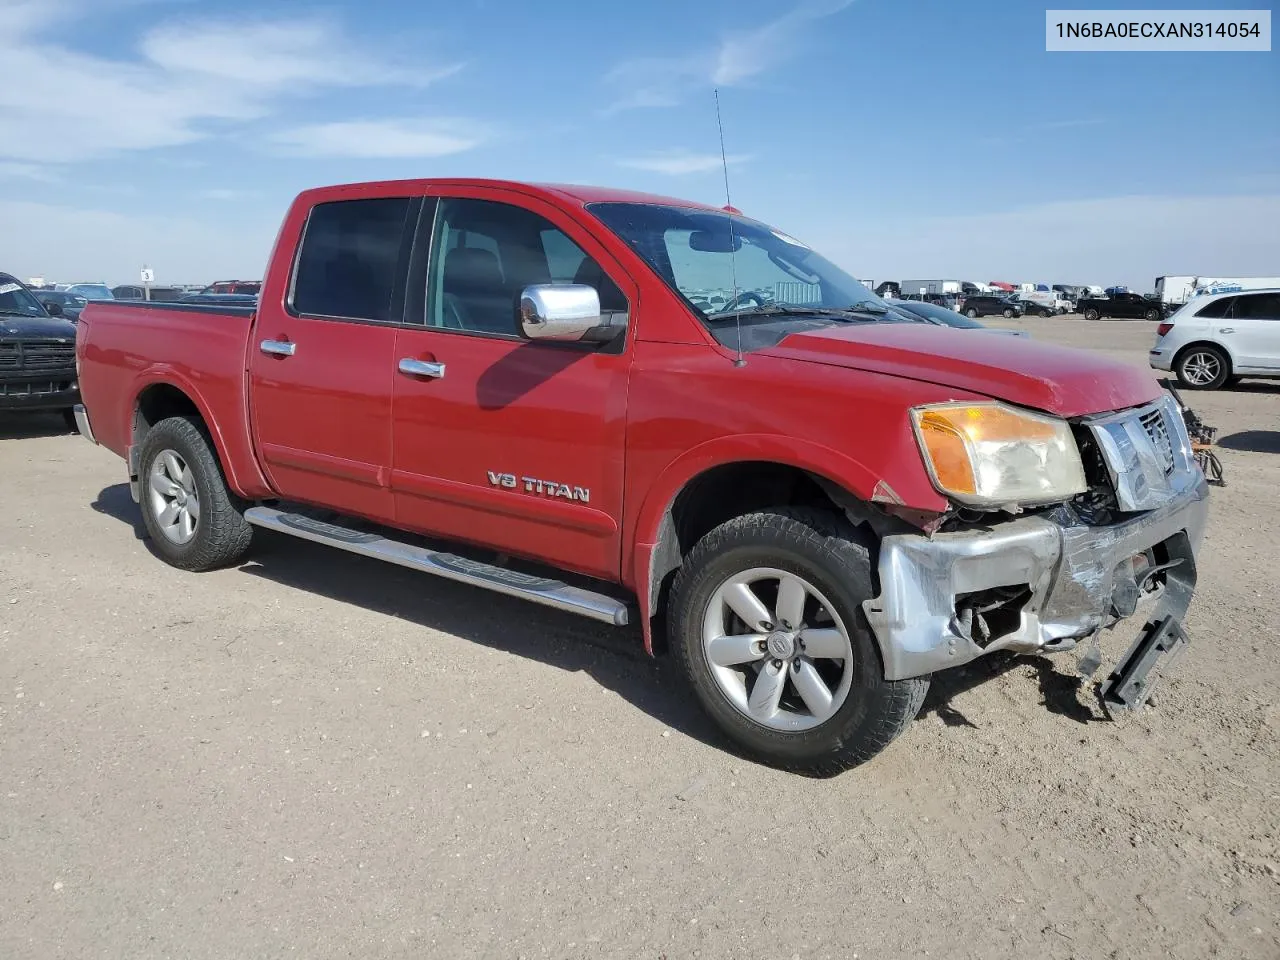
(986,305)
(131,291)
(233,286)
(945,317)
(37,354)
(1123,306)
(61,303)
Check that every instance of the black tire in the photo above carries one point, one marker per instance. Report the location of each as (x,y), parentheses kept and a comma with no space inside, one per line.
(1008,314)
(971,313)
(221,534)
(1153,315)
(826,550)
(1201,355)
(1091,314)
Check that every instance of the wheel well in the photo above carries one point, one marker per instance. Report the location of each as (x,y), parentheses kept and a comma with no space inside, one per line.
(160,401)
(734,489)
(1200,344)
(721,494)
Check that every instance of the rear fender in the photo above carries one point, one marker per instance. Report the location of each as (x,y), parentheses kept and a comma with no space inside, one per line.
(231,441)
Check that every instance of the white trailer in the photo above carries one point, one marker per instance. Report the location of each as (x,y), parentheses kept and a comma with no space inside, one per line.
(930,286)
(1178,290)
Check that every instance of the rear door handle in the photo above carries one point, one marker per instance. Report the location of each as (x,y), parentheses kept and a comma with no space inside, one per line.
(1226,329)
(277,348)
(421,368)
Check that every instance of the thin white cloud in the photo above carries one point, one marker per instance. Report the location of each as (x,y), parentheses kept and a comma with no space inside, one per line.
(193,79)
(738,57)
(388,138)
(680,162)
(25,171)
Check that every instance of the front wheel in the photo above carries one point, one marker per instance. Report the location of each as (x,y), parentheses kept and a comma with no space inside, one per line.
(1091,314)
(1153,315)
(971,313)
(195,522)
(1008,314)
(767,625)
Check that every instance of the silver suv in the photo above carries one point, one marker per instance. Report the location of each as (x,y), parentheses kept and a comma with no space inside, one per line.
(1214,340)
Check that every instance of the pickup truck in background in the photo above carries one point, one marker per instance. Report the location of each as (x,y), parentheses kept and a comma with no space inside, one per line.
(37,354)
(1121,306)
(813,502)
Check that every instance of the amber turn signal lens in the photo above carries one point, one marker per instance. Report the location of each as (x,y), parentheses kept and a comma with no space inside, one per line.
(946,448)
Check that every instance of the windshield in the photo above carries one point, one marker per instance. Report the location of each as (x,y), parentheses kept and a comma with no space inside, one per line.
(16,300)
(723,264)
(91,291)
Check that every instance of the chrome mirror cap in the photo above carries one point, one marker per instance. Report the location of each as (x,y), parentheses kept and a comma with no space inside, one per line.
(559,311)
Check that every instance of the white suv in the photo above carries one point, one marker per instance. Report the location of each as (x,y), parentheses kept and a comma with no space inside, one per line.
(1217,339)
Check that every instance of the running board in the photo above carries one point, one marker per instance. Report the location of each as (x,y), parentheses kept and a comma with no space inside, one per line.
(543,590)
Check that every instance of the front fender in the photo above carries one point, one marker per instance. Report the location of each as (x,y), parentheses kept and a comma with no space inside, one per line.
(834,466)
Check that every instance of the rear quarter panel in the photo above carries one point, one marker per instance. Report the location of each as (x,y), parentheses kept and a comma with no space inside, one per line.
(124,349)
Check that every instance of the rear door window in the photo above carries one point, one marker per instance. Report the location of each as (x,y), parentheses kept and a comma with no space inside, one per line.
(1218,309)
(350,258)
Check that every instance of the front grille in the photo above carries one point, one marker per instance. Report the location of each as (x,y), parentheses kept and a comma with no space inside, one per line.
(37,389)
(37,355)
(1158,431)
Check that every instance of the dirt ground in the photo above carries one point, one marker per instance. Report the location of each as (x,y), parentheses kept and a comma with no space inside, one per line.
(317,756)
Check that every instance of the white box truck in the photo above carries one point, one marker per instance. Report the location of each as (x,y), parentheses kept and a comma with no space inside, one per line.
(1178,290)
(929,287)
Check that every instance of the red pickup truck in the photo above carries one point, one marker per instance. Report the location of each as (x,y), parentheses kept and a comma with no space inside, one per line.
(641,409)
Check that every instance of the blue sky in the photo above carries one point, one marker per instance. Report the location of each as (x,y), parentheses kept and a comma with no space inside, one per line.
(900,137)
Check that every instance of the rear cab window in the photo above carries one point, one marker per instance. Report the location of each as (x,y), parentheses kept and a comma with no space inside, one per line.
(349,262)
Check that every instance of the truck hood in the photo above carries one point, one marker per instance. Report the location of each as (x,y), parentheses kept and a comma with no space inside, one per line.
(1059,380)
(36,328)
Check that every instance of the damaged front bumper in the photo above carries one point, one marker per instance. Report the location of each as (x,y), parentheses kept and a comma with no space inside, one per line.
(1032,584)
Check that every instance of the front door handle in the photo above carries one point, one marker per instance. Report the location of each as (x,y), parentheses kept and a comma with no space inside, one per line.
(421,368)
(277,348)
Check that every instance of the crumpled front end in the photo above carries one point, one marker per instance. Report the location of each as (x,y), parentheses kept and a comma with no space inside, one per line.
(1041,583)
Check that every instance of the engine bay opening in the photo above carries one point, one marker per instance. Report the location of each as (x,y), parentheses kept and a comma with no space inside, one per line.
(987,615)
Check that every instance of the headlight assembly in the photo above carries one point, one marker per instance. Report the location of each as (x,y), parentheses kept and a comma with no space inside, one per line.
(993,455)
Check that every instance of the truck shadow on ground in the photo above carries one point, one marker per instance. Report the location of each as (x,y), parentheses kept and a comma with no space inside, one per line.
(613,657)
(1252,441)
(27,426)
(1063,693)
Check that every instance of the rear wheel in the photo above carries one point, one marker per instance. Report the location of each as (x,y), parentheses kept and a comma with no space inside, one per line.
(1153,315)
(971,313)
(195,522)
(767,625)
(1091,314)
(1202,367)
(1008,314)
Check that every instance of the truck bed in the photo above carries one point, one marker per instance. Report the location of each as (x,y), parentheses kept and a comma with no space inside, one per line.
(125,348)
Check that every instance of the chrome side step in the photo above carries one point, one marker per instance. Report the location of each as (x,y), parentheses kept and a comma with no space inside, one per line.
(543,590)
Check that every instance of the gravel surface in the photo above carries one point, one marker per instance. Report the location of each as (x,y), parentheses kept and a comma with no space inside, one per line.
(316,755)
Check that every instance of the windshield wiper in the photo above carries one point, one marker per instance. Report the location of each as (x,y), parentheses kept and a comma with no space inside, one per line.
(19,313)
(785,309)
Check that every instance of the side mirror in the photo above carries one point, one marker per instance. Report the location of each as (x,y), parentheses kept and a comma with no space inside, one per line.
(53,308)
(559,311)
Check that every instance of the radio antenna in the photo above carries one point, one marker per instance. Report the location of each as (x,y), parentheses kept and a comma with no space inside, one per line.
(733,241)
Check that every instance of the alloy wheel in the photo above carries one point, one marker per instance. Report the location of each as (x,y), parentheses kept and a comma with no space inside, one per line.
(175,502)
(777,649)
